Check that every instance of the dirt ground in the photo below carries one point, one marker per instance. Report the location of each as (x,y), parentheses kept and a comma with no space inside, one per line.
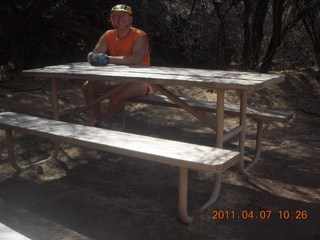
(89,194)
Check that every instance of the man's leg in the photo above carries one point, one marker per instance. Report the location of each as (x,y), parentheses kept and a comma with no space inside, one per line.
(117,101)
(92,92)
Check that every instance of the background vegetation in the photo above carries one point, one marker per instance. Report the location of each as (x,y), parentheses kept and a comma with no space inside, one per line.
(259,35)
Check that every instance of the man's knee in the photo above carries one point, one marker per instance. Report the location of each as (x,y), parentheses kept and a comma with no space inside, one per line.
(85,88)
(95,87)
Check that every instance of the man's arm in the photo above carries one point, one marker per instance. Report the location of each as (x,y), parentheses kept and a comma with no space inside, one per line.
(101,46)
(139,51)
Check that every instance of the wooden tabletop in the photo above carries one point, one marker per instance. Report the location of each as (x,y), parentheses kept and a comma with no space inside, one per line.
(159,75)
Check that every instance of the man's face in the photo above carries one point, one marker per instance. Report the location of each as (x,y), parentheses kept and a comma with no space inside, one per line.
(121,20)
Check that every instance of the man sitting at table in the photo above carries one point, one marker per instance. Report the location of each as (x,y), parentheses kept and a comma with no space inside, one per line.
(127,46)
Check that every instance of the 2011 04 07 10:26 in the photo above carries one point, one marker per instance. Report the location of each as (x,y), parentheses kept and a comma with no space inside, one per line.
(260,214)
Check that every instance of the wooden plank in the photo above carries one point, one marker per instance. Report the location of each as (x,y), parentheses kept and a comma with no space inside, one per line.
(149,148)
(157,71)
(159,75)
(208,106)
(7,233)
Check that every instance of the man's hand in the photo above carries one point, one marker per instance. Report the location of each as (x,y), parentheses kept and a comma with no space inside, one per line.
(98,59)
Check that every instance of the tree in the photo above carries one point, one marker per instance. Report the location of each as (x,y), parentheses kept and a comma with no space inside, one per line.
(311,21)
(37,32)
(277,14)
(19,21)
(253,32)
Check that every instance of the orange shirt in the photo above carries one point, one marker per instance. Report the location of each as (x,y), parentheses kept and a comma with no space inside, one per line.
(124,46)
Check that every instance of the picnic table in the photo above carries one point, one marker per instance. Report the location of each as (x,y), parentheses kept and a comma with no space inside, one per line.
(183,155)
(160,77)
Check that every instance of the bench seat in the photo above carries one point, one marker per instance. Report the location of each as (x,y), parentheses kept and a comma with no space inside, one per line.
(183,155)
(258,114)
(7,233)
(208,106)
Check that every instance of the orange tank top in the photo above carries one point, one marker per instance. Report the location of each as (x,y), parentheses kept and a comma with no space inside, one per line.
(124,46)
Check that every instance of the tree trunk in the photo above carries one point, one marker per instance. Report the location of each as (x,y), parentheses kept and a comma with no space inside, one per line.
(246,33)
(276,36)
(254,34)
(223,43)
(257,31)
(313,29)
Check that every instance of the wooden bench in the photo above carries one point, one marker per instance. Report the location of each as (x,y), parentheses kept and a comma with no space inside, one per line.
(7,233)
(183,155)
(258,114)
